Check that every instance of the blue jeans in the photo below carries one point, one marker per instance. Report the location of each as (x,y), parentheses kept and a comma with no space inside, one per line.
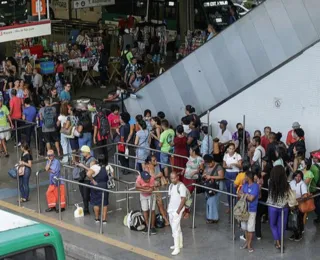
(86,139)
(230,177)
(213,207)
(24,183)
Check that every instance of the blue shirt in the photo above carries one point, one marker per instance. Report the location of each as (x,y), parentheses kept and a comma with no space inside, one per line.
(54,171)
(253,190)
(132,121)
(65,96)
(30,113)
(206,145)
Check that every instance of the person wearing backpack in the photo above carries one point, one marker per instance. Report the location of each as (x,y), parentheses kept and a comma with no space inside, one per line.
(48,116)
(315,168)
(176,207)
(86,135)
(101,131)
(251,191)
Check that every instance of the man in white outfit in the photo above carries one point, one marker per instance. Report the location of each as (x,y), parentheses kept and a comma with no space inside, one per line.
(177,193)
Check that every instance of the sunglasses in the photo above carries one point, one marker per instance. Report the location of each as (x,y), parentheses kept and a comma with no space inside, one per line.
(49,155)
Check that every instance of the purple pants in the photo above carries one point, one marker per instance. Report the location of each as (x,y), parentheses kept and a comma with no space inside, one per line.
(275,221)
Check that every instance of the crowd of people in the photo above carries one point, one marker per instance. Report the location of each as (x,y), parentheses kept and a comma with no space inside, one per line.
(261,167)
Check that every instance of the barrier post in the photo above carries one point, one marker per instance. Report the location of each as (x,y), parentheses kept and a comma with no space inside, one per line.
(67,186)
(232,216)
(231,202)
(38,191)
(18,184)
(59,199)
(36,140)
(150,214)
(101,213)
(208,118)
(16,128)
(127,198)
(243,137)
(282,229)
(194,206)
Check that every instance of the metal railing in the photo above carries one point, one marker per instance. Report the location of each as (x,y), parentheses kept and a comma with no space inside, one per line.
(59,180)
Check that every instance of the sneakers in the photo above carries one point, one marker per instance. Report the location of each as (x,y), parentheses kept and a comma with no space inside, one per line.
(298,238)
(292,237)
(97,220)
(153,231)
(17,145)
(258,238)
(145,230)
(104,222)
(243,238)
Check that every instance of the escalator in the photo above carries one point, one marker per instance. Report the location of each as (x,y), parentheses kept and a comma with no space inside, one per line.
(256,45)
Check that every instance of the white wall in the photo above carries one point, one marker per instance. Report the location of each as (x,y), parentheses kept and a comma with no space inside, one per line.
(297,87)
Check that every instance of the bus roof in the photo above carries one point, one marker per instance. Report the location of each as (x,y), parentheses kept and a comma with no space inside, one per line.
(10,221)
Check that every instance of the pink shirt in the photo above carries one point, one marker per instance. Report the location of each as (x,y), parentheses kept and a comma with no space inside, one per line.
(114,120)
(142,183)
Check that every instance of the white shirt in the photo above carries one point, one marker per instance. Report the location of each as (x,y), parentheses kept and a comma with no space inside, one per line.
(175,196)
(224,137)
(259,153)
(96,169)
(300,188)
(232,159)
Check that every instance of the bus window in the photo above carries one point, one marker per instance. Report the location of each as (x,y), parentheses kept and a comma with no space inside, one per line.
(41,253)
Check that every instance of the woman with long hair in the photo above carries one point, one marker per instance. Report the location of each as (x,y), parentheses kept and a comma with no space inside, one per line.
(25,165)
(279,190)
(180,148)
(143,141)
(62,121)
(73,121)
(155,135)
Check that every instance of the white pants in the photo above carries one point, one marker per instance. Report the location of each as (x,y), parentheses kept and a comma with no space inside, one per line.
(66,148)
(175,220)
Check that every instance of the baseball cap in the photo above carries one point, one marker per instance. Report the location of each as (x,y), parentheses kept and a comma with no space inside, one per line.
(85,149)
(224,122)
(145,175)
(295,125)
(316,155)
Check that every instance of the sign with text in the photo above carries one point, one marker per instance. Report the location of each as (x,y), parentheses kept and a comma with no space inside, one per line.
(13,33)
(91,3)
(39,6)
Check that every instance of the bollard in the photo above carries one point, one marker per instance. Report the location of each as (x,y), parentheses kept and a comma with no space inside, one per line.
(194,207)
(150,214)
(66,187)
(38,191)
(101,213)
(15,125)
(282,229)
(59,199)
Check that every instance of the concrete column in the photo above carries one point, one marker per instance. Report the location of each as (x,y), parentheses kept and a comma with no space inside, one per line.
(186,16)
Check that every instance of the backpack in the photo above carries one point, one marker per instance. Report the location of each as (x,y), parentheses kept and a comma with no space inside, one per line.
(135,221)
(188,202)
(110,184)
(49,117)
(103,124)
(240,210)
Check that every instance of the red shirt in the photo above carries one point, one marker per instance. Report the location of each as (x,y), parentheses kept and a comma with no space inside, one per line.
(264,142)
(15,108)
(144,184)
(290,139)
(59,68)
(114,120)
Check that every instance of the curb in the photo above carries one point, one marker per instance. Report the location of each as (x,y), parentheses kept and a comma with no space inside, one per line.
(79,253)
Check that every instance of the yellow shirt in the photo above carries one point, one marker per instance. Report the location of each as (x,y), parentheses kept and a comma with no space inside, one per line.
(239,180)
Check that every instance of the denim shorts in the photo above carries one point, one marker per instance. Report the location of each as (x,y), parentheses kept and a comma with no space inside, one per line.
(164,158)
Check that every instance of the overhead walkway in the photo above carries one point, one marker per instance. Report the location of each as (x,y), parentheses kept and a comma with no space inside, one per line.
(244,53)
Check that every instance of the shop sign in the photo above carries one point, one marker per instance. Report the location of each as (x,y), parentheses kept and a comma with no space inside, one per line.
(91,3)
(18,32)
(39,6)
(60,4)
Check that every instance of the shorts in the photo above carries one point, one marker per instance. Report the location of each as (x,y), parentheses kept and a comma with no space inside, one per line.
(5,135)
(156,58)
(250,224)
(145,202)
(74,143)
(164,158)
(51,137)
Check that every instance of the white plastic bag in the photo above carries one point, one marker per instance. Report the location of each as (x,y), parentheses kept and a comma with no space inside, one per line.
(96,67)
(78,213)
(126,152)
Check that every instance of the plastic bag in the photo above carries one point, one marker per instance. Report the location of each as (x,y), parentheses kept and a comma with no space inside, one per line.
(78,213)
(293,220)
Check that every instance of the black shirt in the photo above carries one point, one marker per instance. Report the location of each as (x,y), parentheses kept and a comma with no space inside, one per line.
(26,157)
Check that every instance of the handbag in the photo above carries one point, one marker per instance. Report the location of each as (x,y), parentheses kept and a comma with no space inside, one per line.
(121,147)
(13,173)
(66,131)
(307,204)
(292,200)
(213,185)
(293,220)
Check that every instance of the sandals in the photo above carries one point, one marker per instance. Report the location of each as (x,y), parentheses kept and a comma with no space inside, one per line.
(244,246)
(209,221)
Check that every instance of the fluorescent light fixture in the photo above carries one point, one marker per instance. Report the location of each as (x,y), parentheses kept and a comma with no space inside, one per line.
(215,3)
(219,20)
(171,3)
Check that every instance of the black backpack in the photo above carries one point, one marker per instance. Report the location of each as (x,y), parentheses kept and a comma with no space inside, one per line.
(103,124)
(86,121)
